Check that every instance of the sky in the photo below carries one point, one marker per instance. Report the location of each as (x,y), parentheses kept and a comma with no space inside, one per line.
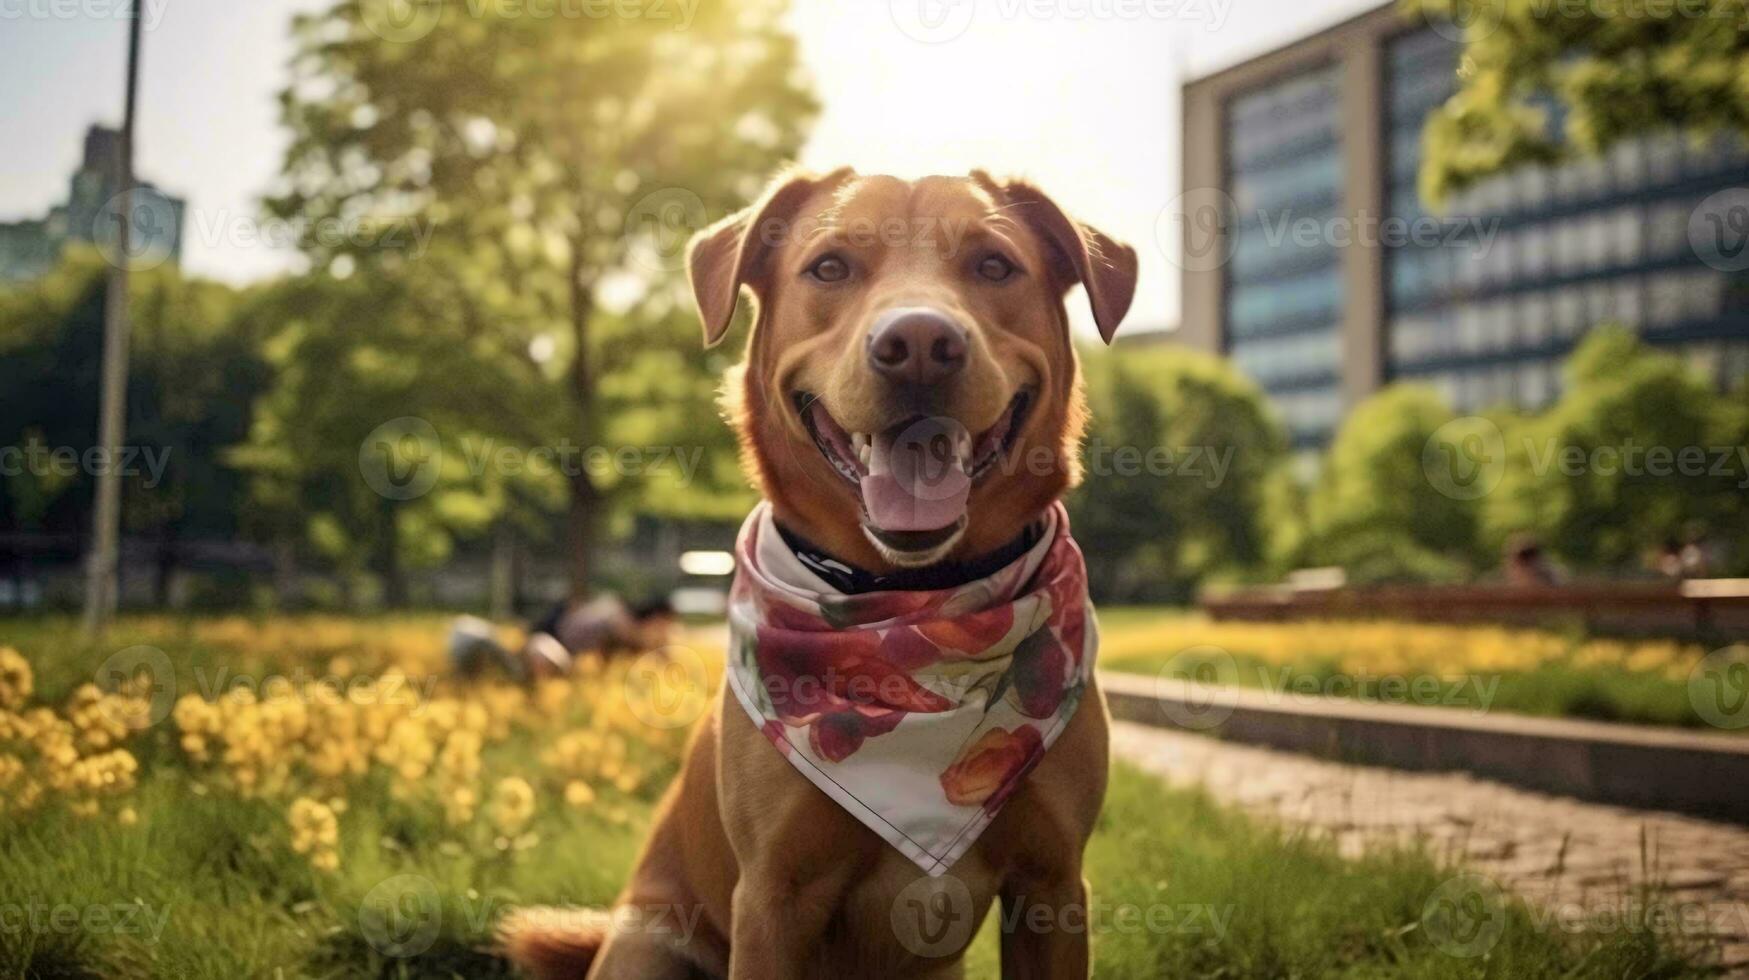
(1081,96)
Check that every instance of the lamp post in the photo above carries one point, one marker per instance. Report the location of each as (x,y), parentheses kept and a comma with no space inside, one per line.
(101,583)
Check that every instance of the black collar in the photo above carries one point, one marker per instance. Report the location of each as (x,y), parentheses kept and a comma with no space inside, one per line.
(851,580)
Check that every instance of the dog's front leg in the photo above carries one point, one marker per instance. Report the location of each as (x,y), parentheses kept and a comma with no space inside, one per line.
(778,921)
(1045,930)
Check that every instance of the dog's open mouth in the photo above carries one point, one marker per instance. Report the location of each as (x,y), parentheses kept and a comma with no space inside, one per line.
(916,475)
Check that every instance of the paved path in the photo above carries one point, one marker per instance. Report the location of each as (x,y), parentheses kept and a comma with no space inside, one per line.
(1580,862)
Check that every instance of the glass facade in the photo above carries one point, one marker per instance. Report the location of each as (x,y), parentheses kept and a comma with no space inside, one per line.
(1488,302)
(1283,296)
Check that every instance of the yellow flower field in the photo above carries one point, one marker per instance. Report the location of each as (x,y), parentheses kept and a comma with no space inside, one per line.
(371,708)
(1523,670)
(315,797)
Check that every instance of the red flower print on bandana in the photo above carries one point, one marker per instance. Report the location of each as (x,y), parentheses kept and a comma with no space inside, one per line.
(919,712)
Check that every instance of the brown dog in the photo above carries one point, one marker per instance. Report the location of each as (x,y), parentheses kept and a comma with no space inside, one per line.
(878,300)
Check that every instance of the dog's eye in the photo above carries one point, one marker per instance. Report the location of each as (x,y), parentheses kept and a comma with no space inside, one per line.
(830,268)
(995,268)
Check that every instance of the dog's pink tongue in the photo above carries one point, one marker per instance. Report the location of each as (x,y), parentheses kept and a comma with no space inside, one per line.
(916,480)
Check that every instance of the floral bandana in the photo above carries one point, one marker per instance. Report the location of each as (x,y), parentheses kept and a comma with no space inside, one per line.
(919,712)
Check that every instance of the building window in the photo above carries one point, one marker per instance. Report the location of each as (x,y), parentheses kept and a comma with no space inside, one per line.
(1485,320)
(1284,297)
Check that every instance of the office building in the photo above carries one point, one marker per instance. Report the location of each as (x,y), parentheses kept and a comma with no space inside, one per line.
(30,248)
(1337,280)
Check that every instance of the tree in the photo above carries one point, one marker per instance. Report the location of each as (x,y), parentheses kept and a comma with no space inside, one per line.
(1178,456)
(383,449)
(1732,525)
(394,424)
(1545,80)
(543,162)
(193,380)
(1285,518)
(1622,462)
(52,341)
(1396,499)
(658,398)
(201,371)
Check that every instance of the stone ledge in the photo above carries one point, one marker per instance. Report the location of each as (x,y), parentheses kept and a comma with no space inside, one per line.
(1700,773)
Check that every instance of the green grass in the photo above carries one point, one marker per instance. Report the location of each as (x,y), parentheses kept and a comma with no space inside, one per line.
(205,885)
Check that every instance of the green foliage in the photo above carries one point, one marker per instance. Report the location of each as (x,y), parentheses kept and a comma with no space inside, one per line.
(394,363)
(500,430)
(1611,69)
(1288,524)
(495,212)
(1374,509)
(550,167)
(1600,476)
(1731,525)
(1638,452)
(658,395)
(1179,456)
(194,373)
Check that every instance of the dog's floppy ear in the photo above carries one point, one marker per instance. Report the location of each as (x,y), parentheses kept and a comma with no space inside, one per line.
(727,255)
(1083,254)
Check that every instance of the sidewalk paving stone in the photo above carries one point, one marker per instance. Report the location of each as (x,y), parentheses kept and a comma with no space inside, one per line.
(1581,861)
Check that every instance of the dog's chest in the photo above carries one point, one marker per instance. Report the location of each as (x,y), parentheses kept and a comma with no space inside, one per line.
(888,917)
(896,921)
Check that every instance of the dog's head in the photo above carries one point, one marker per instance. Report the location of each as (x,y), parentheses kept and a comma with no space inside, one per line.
(910,391)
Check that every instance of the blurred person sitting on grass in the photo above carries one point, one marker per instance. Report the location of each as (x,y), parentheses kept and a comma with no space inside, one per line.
(606,625)
(1527,564)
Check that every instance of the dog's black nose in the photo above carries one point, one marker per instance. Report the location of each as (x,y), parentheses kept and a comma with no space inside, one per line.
(917,345)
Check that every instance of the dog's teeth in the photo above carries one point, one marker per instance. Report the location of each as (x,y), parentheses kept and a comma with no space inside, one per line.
(862,444)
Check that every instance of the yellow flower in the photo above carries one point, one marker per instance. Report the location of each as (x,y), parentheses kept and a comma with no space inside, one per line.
(11,771)
(459,805)
(15,679)
(460,759)
(307,742)
(313,826)
(512,805)
(102,720)
(578,794)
